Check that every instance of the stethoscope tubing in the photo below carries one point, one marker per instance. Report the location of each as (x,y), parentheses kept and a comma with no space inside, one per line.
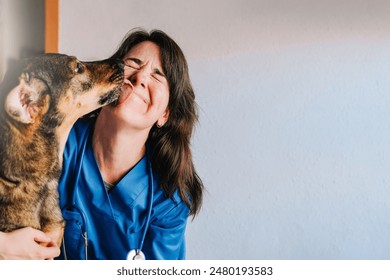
(151,197)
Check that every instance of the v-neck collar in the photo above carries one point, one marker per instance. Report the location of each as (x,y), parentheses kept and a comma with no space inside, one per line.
(126,191)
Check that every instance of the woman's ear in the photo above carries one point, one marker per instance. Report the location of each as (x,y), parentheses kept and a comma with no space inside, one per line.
(163,119)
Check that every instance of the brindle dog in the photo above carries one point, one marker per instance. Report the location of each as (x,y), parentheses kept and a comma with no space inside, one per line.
(37,111)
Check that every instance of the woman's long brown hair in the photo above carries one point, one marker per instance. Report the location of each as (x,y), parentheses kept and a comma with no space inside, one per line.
(170,145)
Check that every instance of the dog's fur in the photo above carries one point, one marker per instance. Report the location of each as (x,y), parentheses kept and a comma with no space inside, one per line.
(36,115)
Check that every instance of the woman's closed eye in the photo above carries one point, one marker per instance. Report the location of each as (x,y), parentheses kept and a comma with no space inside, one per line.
(132,63)
(159,75)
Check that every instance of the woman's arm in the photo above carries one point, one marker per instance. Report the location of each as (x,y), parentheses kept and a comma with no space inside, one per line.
(23,244)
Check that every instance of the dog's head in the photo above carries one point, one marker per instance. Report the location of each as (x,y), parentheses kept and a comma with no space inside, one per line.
(56,88)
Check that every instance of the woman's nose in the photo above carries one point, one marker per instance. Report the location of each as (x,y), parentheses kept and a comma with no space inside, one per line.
(139,78)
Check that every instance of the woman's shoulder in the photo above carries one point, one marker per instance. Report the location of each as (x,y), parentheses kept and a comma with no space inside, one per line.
(78,135)
(168,208)
(82,126)
(80,130)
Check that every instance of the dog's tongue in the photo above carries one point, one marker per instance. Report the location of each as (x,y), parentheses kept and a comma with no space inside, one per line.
(127,88)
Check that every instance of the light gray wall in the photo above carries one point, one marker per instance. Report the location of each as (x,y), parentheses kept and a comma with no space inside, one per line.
(21,30)
(294,134)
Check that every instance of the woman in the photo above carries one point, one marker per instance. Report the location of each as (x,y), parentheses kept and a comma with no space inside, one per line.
(128,182)
(24,244)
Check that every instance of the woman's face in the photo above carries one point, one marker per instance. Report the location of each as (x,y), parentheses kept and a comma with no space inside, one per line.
(145,93)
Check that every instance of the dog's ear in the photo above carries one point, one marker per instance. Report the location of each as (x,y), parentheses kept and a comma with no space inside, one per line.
(22,103)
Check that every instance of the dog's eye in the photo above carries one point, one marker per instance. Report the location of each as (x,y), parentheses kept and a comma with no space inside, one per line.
(79,68)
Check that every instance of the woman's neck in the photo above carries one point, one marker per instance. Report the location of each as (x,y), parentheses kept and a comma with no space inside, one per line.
(117,148)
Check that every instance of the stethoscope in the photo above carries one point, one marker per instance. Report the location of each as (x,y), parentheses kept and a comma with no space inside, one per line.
(134,254)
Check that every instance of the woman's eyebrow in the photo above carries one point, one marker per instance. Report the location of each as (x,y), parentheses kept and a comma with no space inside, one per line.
(139,62)
(136,60)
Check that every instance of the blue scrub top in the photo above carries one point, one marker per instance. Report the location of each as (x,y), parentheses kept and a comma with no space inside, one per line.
(115,221)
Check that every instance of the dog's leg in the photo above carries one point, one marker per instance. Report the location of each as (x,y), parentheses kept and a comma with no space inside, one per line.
(52,222)
(55,233)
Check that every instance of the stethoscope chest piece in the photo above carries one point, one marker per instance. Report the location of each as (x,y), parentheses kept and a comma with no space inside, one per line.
(136,255)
